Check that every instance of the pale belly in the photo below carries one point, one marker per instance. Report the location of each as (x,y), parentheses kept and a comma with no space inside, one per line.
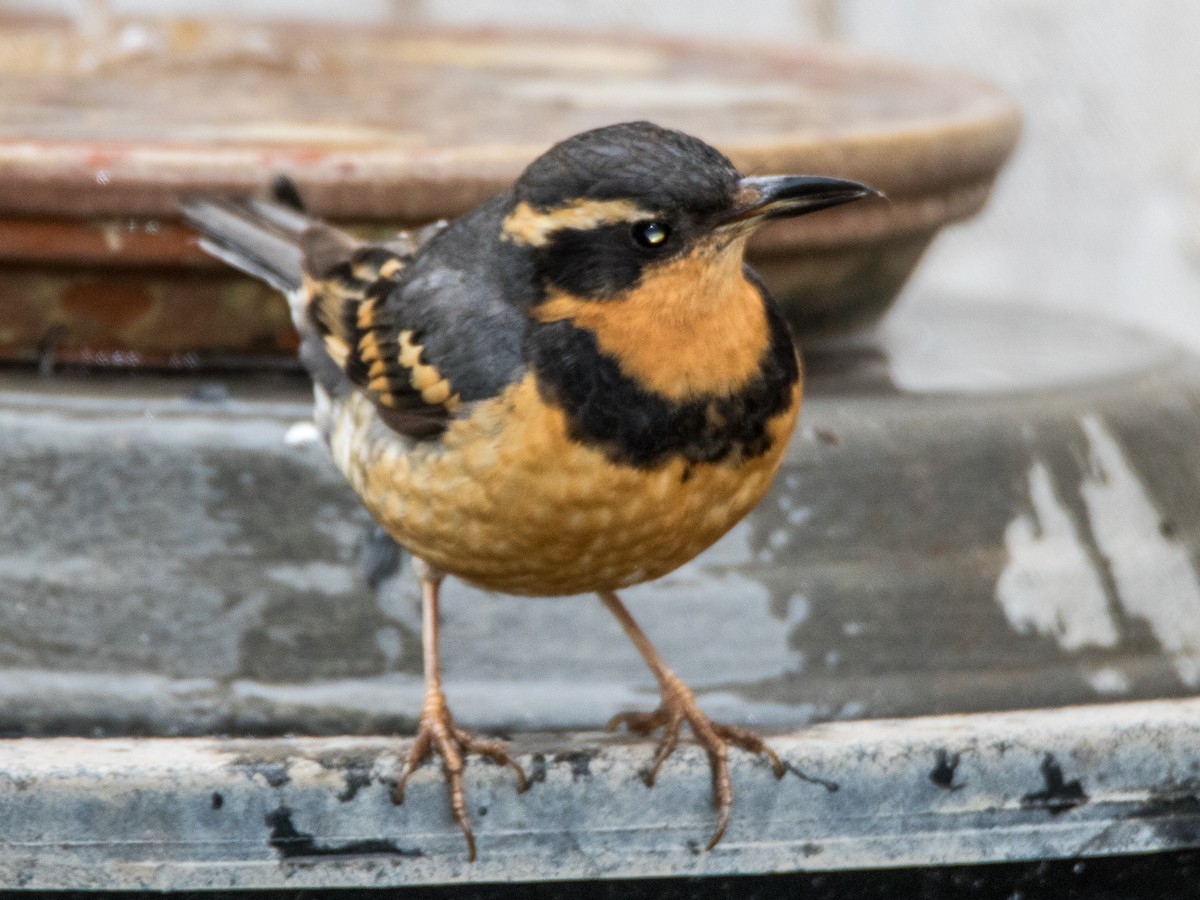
(507,502)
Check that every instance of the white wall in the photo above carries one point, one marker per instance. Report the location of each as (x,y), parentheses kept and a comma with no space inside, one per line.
(1100,209)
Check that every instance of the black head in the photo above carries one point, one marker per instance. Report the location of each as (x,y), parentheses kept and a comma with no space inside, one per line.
(601,208)
(655,167)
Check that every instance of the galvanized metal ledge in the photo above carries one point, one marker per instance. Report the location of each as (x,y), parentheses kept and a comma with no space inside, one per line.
(193,813)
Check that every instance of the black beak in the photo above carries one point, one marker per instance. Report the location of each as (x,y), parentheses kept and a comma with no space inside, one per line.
(783,196)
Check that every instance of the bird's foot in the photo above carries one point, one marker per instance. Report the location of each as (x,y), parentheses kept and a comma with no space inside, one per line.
(437,734)
(678,705)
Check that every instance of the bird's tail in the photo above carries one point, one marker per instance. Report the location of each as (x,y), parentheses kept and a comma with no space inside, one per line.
(277,242)
(258,237)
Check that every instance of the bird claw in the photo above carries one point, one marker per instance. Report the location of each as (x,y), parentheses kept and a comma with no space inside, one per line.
(638,722)
(437,734)
(678,705)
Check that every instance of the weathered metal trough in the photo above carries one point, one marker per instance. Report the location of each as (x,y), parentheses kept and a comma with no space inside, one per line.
(980,515)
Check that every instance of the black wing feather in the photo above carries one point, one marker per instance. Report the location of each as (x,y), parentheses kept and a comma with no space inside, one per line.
(420,323)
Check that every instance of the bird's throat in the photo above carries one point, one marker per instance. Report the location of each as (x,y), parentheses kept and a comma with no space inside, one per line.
(692,327)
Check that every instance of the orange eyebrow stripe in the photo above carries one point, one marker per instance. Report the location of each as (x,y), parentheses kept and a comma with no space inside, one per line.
(534,227)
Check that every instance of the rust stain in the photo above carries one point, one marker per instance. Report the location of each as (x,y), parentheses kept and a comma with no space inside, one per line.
(163,317)
(114,305)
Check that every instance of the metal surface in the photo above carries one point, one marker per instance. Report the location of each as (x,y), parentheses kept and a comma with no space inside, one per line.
(206,813)
(981,511)
(103,128)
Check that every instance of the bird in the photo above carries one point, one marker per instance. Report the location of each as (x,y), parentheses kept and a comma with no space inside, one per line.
(574,388)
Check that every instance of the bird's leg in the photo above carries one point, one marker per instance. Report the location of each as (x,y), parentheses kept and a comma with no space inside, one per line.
(678,705)
(437,732)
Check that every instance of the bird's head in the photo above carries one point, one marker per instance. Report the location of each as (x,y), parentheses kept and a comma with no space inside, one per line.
(612,208)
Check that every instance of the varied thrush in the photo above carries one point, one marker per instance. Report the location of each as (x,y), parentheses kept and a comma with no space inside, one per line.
(575,388)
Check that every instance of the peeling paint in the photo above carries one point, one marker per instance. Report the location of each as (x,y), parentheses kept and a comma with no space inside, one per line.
(1108,680)
(1155,577)
(292,843)
(1058,795)
(1073,782)
(322,578)
(1050,584)
(945,767)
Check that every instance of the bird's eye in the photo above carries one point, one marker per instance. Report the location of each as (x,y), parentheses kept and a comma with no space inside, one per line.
(651,234)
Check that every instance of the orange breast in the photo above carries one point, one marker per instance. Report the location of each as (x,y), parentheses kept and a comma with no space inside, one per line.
(693,327)
(508,502)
